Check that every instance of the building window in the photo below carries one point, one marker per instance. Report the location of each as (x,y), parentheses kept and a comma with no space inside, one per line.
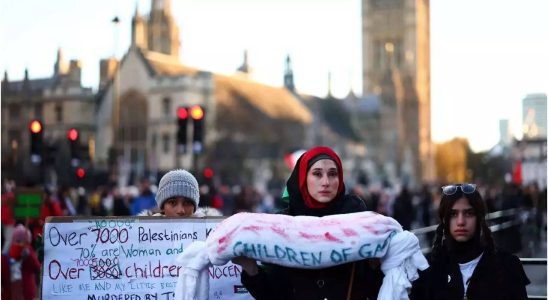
(165,141)
(167,107)
(58,113)
(14,137)
(38,110)
(398,52)
(153,141)
(14,111)
(378,52)
(134,133)
(387,52)
(386,3)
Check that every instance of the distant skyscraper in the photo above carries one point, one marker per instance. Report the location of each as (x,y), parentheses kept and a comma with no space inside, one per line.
(505,134)
(534,116)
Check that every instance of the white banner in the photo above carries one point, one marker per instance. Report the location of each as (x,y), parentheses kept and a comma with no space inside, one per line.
(126,258)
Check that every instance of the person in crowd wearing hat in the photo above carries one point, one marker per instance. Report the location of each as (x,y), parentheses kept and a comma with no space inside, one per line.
(145,200)
(315,188)
(19,267)
(178,195)
(465,263)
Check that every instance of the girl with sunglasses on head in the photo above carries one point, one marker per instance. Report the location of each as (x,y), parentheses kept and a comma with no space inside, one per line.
(315,188)
(465,263)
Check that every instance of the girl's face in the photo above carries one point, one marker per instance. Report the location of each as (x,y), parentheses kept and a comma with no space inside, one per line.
(462,223)
(322,180)
(178,207)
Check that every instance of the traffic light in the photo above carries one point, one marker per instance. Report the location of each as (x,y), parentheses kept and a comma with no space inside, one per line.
(208,177)
(198,116)
(182,124)
(80,173)
(208,173)
(36,141)
(74,141)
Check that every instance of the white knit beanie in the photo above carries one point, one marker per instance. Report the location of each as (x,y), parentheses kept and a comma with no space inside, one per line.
(178,183)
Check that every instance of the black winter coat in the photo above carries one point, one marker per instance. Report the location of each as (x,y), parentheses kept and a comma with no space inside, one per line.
(498,276)
(277,282)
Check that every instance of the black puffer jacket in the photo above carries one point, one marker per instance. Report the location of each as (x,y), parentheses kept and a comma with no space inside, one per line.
(277,282)
(498,276)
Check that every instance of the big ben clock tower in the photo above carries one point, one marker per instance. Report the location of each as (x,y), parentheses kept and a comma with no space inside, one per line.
(396,40)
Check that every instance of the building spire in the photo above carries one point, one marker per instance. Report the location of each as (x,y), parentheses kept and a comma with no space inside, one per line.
(162,32)
(288,75)
(351,92)
(161,5)
(329,94)
(60,66)
(5,82)
(244,68)
(26,82)
(138,29)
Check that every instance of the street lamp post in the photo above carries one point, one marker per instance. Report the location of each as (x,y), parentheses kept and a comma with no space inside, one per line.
(116,106)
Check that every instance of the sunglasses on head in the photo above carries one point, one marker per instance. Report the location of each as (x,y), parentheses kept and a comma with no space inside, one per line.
(467,188)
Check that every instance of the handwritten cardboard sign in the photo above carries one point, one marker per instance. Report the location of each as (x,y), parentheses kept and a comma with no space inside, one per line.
(126,258)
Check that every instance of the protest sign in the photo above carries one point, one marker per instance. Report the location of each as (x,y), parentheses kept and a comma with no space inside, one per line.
(27,203)
(126,258)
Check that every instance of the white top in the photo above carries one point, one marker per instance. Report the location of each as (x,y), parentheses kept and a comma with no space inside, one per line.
(467,269)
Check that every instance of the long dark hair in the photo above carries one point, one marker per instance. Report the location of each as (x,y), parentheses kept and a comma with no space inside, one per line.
(483,234)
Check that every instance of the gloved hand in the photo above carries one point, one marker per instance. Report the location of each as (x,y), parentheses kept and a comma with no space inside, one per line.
(248,264)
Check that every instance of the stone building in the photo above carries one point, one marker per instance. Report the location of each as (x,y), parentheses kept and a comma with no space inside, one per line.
(248,125)
(394,113)
(60,103)
(333,125)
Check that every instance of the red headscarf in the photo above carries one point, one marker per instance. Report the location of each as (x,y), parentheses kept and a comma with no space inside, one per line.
(303,169)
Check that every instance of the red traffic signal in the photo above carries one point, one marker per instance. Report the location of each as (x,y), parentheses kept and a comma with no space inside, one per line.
(196,112)
(80,173)
(72,134)
(35,126)
(208,173)
(182,113)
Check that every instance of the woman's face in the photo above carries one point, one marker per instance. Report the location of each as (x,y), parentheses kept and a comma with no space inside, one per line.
(322,180)
(178,207)
(462,223)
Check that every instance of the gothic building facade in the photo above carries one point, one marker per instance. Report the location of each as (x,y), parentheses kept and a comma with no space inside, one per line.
(60,103)
(137,121)
(394,113)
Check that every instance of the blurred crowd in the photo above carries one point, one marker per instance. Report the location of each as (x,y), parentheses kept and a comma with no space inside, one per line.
(412,208)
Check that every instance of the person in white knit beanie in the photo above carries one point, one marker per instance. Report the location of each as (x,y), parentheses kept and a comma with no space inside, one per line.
(178,195)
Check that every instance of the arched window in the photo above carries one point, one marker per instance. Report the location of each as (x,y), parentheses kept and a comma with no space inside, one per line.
(166,105)
(131,140)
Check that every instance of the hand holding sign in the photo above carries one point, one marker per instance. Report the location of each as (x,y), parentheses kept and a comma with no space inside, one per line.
(248,264)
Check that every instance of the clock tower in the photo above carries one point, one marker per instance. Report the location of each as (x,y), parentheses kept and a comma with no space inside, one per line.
(396,41)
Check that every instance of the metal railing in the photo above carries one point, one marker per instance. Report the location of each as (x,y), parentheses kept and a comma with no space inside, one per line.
(535,262)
